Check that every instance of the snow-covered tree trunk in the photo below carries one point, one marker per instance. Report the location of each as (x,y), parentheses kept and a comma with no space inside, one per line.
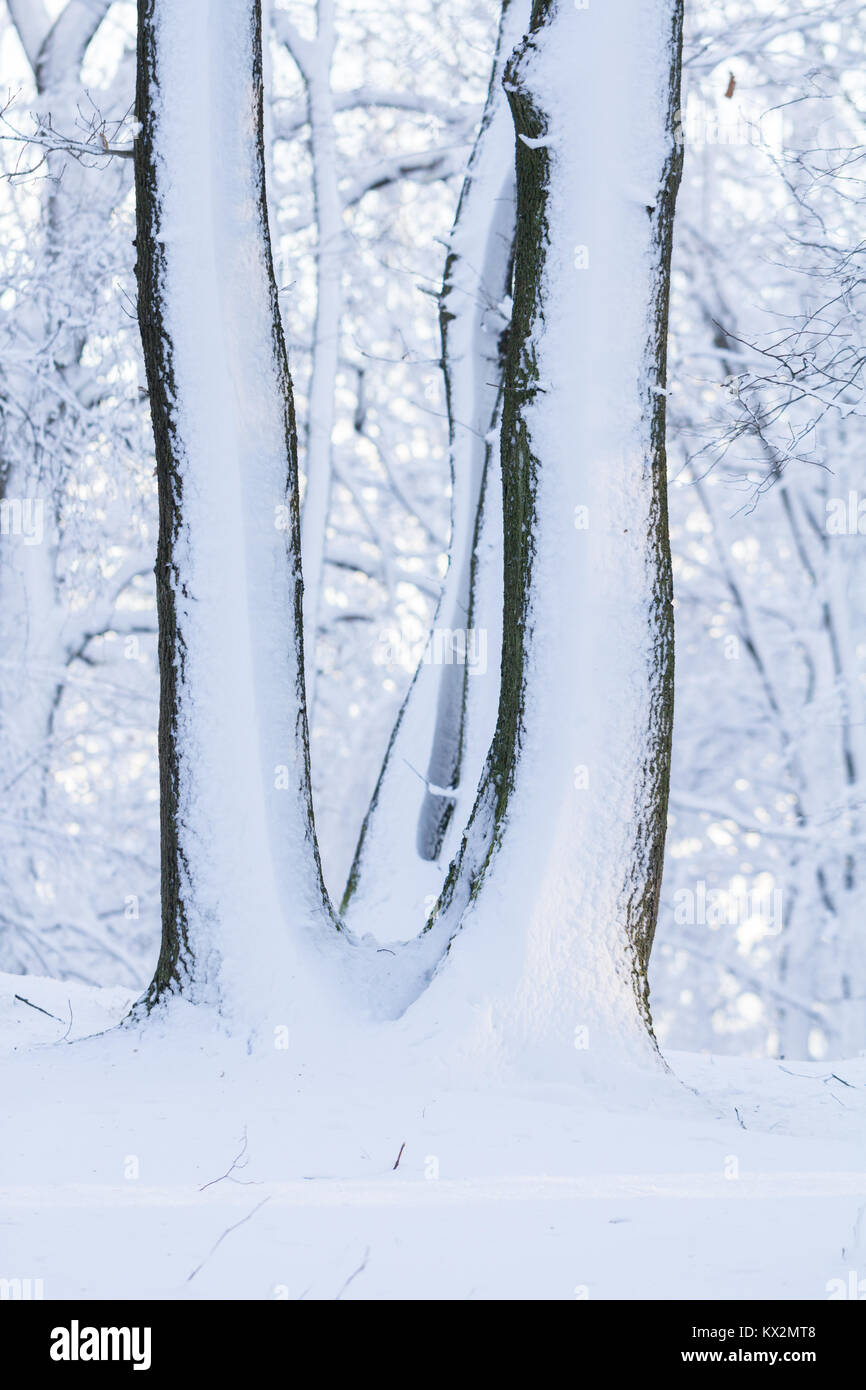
(241,884)
(314,58)
(434,760)
(551,905)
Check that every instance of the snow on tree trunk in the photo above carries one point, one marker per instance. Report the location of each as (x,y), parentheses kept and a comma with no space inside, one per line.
(436,755)
(314,58)
(552,902)
(241,885)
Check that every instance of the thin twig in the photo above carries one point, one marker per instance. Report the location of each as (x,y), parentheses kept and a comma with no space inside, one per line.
(37,1008)
(235,1163)
(360,1270)
(227,1232)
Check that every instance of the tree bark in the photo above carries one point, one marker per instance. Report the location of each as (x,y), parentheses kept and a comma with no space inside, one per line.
(436,753)
(241,881)
(555,891)
(314,60)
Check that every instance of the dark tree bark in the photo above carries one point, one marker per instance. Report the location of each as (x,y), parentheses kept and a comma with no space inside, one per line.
(566,877)
(238,847)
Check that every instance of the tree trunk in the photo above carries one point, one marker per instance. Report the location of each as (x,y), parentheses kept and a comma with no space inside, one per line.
(241,881)
(436,754)
(550,907)
(314,60)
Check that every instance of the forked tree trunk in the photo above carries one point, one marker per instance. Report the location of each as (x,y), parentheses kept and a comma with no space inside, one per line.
(436,754)
(241,883)
(551,905)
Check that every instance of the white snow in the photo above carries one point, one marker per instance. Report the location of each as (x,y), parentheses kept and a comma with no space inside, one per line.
(116,1178)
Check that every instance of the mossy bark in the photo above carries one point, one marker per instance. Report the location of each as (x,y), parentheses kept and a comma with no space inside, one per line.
(445,763)
(643,901)
(177,967)
(519,467)
(521,462)
(175,955)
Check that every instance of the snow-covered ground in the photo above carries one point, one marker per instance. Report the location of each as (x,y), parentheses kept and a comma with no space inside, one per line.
(723,1179)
